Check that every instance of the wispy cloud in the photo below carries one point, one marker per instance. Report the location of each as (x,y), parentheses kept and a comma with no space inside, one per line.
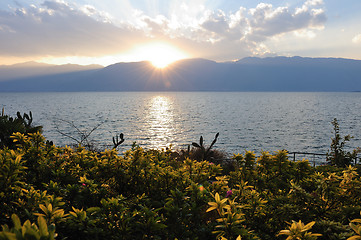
(60,28)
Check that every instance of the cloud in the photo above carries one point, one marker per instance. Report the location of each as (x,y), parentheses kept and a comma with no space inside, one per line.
(267,21)
(59,28)
(357,38)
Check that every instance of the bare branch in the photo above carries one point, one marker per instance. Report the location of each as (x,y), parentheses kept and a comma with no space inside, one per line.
(83,135)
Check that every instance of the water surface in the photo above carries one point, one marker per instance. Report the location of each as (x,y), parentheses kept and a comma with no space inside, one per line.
(257,121)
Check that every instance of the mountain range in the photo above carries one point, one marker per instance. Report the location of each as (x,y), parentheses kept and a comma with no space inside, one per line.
(247,74)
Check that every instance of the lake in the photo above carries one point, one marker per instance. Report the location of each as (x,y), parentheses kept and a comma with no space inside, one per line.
(257,121)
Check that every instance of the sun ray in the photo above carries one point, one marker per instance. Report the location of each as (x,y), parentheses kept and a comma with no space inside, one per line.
(160,54)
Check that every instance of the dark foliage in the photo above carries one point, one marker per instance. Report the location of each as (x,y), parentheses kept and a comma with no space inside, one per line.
(10,125)
(338,156)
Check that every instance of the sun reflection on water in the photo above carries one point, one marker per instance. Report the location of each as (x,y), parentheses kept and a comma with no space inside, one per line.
(160,121)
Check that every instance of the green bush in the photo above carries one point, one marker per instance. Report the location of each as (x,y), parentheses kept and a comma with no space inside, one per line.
(154,194)
(337,155)
(10,125)
(28,230)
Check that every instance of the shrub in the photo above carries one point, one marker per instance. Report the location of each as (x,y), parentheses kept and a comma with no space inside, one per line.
(152,194)
(10,125)
(338,156)
(28,230)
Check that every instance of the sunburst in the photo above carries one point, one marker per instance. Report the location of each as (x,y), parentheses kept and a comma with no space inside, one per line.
(160,54)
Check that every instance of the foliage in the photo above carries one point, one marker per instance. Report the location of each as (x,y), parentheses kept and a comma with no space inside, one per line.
(338,156)
(300,231)
(117,141)
(155,194)
(10,125)
(28,230)
(200,152)
(355,224)
(230,218)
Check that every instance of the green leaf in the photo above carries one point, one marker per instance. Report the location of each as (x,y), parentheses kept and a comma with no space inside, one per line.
(16,221)
(43,208)
(10,236)
(308,226)
(93,209)
(211,208)
(43,227)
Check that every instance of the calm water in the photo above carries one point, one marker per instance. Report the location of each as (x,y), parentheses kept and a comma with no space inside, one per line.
(245,121)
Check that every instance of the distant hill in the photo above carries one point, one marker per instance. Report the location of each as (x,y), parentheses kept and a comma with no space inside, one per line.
(247,74)
(34,69)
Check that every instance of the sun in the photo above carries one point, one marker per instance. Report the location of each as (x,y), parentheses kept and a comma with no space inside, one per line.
(160,54)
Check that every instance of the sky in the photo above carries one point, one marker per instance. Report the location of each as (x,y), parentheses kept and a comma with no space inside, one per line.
(110,31)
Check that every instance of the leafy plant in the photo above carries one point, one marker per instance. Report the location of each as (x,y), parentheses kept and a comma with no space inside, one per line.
(10,125)
(338,156)
(39,231)
(300,231)
(230,218)
(154,194)
(117,141)
(355,224)
(51,214)
(205,153)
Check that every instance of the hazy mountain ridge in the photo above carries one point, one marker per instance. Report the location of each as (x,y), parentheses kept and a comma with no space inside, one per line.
(33,69)
(247,74)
